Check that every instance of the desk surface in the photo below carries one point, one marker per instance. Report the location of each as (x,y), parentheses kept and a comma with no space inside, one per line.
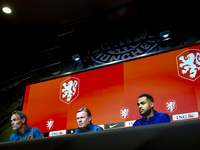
(175,135)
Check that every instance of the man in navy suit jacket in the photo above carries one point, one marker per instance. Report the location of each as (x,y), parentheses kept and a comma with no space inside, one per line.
(149,115)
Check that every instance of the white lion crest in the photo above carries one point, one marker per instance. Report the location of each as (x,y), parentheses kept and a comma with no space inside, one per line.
(124,112)
(69,90)
(189,64)
(50,123)
(171,106)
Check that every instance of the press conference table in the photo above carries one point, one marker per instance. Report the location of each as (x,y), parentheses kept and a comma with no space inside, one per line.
(174,135)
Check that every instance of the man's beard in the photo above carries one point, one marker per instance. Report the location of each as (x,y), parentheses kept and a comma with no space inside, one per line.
(146,113)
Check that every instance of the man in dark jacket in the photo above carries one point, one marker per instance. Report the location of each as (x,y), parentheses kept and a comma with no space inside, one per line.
(22,130)
(84,121)
(150,116)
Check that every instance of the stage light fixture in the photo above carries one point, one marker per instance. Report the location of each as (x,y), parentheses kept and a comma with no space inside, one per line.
(76,57)
(165,35)
(6,10)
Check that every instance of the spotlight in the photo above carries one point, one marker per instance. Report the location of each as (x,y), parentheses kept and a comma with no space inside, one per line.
(76,57)
(165,35)
(6,10)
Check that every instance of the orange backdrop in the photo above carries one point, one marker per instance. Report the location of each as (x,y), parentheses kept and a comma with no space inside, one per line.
(106,90)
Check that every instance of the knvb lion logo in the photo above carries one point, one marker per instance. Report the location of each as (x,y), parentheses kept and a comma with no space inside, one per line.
(50,124)
(69,90)
(170,106)
(188,64)
(124,113)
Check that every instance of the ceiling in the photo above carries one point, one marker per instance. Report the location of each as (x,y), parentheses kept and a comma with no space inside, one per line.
(40,15)
(35,21)
(45,13)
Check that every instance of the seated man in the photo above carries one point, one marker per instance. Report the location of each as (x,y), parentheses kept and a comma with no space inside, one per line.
(150,116)
(22,130)
(84,121)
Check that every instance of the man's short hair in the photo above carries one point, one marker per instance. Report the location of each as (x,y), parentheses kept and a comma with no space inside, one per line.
(21,115)
(86,110)
(149,97)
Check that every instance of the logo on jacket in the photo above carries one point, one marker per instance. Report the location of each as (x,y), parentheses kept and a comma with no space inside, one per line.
(124,113)
(50,124)
(188,64)
(170,106)
(69,90)
(30,137)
